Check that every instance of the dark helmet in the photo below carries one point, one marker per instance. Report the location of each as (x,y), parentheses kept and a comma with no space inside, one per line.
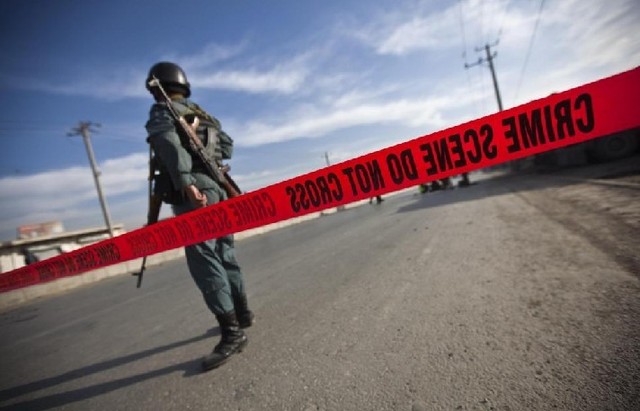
(171,77)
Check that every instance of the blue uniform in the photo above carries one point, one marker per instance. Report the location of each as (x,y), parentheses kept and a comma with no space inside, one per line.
(212,263)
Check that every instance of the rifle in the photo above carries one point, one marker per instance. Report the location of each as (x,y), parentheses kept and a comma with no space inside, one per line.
(216,171)
(155,203)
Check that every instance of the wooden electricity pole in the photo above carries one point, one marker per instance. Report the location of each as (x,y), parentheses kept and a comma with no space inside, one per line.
(84,130)
(489,59)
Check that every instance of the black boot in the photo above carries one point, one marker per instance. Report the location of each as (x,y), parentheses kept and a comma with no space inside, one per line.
(244,315)
(233,340)
(465,180)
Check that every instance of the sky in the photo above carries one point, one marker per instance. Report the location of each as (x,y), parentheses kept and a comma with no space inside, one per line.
(292,82)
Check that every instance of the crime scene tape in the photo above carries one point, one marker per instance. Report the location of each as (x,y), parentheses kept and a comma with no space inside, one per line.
(593,110)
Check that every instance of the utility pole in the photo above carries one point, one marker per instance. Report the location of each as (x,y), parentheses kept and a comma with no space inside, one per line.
(84,130)
(489,59)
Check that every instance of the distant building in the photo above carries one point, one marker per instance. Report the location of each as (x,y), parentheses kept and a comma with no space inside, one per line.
(41,241)
(40,229)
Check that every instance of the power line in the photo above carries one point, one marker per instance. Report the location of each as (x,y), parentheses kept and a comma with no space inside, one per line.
(28,130)
(526,60)
(504,15)
(479,107)
(464,35)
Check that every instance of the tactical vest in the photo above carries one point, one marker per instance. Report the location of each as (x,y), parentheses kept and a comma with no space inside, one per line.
(217,145)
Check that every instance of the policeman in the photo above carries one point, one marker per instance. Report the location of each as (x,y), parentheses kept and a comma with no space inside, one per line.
(212,263)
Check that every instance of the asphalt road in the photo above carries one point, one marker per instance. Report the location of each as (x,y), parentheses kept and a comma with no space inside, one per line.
(517,293)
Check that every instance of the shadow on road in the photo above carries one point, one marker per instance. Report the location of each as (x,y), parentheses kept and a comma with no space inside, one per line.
(190,368)
(526,181)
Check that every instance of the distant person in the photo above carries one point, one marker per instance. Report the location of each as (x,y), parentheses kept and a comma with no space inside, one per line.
(379,199)
(464,182)
(212,263)
(442,184)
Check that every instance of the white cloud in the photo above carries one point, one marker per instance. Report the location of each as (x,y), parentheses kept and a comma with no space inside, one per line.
(351,110)
(263,178)
(64,194)
(208,56)
(569,51)
(416,26)
(434,31)
(202,68)
(318,124)
(278,80)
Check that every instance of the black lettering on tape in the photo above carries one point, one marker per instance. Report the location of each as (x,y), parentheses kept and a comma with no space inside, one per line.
(313,192)
(368,177)
(236,213)
(549,123)
(184,230)
(489,149)
(586,123)
(108,253)
(428,159)
(166,235)
(363,179)
(304,201)
(142,243)
(249,209)
(443,157)
(336,188)
(531,128)
(222,218)
(205,226)
(564,124)
(474,155)
(254,208)
(511,133)
(348,172)
(270,205)
(60,268)
(401,166)
(70,263)
(85,259)
(323,190)
(258,206)
(45,271)
(457,150)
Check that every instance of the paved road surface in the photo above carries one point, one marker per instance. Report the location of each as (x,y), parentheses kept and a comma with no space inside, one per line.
(518,293)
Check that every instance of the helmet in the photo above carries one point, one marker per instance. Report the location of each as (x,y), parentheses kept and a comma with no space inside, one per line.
(171,77)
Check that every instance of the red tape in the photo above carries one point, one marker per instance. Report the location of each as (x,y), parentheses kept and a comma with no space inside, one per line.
(593,110)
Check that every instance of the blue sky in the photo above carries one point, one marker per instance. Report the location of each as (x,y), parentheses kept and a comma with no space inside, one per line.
(289,80)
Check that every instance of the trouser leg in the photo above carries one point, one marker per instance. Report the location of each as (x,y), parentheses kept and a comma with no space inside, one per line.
(227,255)
(209,274)
(236,282)
(216,271)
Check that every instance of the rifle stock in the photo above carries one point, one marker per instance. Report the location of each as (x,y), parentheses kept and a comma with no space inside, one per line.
(155,203)
(153,213)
